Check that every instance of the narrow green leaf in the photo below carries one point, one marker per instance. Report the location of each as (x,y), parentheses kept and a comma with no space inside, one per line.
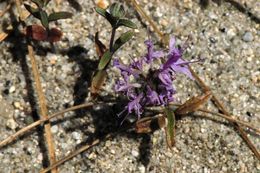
(170,128)
(101,11)
(33,11)
(122,40)
(46,2)
(44,19)
(106,15)
(30,8)
(105,59)
(117,10)
(127,23)
(59,15)
(39,3)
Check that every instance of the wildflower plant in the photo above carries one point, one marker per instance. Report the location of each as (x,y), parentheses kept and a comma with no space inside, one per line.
(144,84)
(114,14)
(43,32)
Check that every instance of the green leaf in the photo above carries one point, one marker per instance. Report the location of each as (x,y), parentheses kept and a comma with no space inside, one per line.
(39,3)
(101,11)
(105,59)
(59,15)
(122,40)
(170,128)
(127,23)
(33,11)
(44,19)
(117,10)
(106,15)
(97,81)
(46,2)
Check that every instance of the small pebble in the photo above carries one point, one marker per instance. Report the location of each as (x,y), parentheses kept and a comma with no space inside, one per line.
(11,89)
(213,16)
(141,168)
(112,151)
(54,129)
(202,130)
(11,124)
(135,153)
(76,136)
(248,37)
(17,105)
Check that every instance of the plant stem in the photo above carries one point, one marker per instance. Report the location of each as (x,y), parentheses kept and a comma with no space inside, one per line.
(112,39)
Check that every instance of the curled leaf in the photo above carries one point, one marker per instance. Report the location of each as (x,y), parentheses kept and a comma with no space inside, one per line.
(100,47)
(192,104)
(150,124)
(98,81)
(54,35)
(39,33)
(36,32)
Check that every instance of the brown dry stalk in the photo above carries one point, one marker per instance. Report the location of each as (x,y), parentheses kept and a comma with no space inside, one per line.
(217,102)
(220,106)
(231,119)
(143,13)
(97,141)
(43,108)
(23,14)
(5,10)
(73,154)
(12,137)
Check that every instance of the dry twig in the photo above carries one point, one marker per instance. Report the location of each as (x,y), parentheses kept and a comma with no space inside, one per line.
(43,107)
(12,137)
(5,10)
(70,156)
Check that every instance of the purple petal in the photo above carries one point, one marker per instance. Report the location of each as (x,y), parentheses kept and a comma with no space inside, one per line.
(124,68)
(152,96)
(172,43)
(165,77)
(158,54)
(137,64)
(151,54)
(135,105)
(179,67)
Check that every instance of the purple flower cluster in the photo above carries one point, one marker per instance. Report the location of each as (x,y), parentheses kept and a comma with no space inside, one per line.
(155,87)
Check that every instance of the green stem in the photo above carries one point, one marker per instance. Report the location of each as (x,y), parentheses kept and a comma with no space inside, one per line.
(112,39)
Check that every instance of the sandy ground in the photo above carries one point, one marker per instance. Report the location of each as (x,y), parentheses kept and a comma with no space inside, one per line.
(225,36)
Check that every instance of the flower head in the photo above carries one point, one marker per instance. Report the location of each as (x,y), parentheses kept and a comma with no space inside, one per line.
(153,87)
